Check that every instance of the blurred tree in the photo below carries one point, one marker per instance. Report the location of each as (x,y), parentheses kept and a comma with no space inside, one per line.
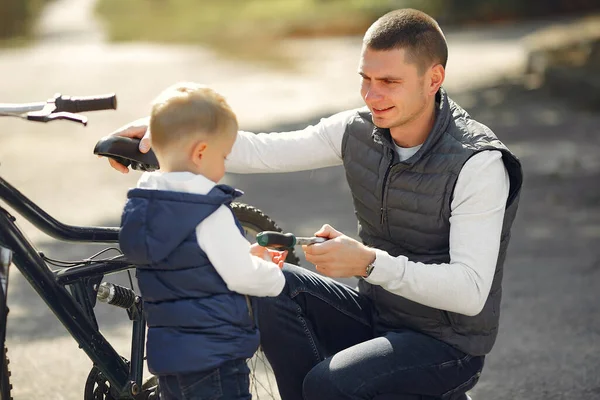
(18,16)
(12,16)
(458,11)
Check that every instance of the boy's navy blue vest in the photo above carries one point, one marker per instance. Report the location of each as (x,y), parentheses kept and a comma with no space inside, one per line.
(195,322)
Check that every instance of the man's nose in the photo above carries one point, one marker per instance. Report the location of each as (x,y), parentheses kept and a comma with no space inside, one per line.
(372,94)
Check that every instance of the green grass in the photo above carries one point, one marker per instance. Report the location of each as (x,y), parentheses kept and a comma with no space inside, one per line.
(244,28)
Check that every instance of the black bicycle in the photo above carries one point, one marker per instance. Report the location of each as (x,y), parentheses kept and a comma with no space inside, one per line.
(71,289)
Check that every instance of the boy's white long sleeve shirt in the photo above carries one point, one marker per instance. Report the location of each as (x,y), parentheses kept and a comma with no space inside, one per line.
(477,213)
(220,238)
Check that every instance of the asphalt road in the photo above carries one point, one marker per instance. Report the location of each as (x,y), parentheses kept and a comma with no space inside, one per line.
(549,343)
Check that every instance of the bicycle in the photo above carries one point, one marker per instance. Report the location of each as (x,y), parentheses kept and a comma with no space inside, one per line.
(72,290)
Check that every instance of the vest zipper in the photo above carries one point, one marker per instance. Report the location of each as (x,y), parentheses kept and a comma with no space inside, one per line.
(383,186)
(250,311)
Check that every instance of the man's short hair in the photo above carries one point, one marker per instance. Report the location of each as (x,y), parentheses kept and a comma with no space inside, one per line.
(187,110)
(412,30)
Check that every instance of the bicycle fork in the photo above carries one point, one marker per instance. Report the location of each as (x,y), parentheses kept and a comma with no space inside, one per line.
(5,261)
(126,298)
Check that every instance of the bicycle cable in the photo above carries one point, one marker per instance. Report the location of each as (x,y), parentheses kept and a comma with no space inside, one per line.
(85,261)
(130,280)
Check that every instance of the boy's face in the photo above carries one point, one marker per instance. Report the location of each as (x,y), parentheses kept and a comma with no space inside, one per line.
(211,162)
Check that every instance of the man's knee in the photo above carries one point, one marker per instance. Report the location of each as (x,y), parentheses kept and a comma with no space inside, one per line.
(322,383)
(317,382)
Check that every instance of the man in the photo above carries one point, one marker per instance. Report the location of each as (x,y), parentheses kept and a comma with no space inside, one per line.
(435,194)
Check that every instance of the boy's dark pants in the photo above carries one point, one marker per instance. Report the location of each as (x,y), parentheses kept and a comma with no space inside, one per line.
(228,382)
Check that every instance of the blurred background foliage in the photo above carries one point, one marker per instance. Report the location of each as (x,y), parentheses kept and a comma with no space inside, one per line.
(247,28)
(485,11)
(246,22)
(17,17)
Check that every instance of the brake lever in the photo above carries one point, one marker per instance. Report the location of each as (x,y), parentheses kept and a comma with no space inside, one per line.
(49,112)
(41,116)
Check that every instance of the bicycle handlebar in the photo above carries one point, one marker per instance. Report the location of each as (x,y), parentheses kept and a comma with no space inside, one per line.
(88,103)
(60,107)
(20,108)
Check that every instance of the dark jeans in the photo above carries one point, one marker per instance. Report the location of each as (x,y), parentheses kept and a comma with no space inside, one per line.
(229,381)
(323,342)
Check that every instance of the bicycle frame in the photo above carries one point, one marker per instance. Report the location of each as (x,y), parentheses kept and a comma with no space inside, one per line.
(75,311)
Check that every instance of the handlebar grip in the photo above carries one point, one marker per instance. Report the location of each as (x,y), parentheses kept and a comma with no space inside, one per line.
(126,152)
(89,103)
(276,240)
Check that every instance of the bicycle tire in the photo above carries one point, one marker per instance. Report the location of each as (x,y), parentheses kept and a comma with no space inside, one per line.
(254,221)
(5,386)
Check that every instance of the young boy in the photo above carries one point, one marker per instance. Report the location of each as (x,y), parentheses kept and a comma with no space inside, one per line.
(195,267)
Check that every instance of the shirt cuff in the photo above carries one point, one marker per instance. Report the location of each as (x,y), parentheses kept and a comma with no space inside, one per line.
(386,268)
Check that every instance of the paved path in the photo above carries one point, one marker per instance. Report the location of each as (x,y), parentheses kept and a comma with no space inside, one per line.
(549,344)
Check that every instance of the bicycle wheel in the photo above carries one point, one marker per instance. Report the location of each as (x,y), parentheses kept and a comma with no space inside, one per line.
(255,221)
(5,385)
(262,378)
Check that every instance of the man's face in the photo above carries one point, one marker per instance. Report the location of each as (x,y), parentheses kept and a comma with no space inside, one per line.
(391,87)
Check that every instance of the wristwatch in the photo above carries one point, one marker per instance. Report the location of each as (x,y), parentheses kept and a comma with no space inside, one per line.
(369,269)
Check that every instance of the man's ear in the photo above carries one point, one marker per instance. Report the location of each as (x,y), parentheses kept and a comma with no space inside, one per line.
(437,73)
(198,151)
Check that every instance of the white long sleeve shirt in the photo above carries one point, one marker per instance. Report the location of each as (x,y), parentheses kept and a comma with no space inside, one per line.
(477,213)
(219,237)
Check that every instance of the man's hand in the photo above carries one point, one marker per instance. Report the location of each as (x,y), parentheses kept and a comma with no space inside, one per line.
(340,256)
(135,129)
(275,256)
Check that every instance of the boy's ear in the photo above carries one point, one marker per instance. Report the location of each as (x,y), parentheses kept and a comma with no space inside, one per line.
(198,152)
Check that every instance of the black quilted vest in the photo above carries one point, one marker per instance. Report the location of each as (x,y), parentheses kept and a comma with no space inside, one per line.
(404,209)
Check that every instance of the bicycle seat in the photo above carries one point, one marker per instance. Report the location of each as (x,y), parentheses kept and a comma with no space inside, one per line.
(126,151)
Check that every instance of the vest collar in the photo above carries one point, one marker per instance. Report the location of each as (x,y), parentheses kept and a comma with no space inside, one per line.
(442,119)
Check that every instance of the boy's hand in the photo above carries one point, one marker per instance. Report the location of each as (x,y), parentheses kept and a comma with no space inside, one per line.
(275,256)
(278,257)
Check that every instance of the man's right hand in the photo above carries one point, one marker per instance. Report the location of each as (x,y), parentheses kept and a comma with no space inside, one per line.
(136,129)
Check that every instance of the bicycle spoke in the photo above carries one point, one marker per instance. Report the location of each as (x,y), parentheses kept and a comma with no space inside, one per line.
(263,384)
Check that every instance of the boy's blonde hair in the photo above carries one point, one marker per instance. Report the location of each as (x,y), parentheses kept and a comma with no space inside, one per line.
(188,110)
